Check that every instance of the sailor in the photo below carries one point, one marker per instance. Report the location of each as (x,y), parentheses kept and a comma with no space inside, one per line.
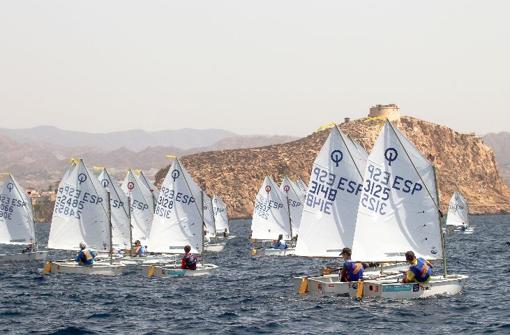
(225,233)
(419,271)
(31,247)
(280,243)
(188,261)
(138,249)
(86,255)
(351,271)
(463,227)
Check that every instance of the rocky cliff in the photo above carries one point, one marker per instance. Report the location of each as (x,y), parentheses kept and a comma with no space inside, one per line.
(463,162)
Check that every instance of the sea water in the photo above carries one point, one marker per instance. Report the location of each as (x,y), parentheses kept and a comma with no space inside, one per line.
(250,295)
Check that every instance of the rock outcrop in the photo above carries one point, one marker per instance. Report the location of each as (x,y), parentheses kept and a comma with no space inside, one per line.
(463,162)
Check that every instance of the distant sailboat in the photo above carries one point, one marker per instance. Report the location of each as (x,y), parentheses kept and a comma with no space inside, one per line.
(294,198)
(220,216)
(145,181)
(17,222)
(178,222)
(211,243)
(81,214)
(270,218)
(458,213)
(399,211)
(142,207)
(121,230)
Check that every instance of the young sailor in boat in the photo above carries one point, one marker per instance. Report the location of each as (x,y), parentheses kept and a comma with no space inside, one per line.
(280,243)
(31,247)
(225,233)
(351,271)
(86,255)
(188,261)
(419,271)
(138,249)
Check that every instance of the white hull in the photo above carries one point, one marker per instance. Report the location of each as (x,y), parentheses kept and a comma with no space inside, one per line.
(273,252)
(23,257)
(102,269)
(148,260)
(214,247)
(176,271)
(391,289)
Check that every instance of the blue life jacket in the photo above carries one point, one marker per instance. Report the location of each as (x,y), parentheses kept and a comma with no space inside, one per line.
(354,270)
(280,245)
(422,271)
(86,257)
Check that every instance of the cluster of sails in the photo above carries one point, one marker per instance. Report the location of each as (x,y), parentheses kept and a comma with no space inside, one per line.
(108,217)
(380,204)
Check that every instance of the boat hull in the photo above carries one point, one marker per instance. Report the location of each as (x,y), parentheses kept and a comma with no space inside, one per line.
(175,272)
(215,247)
(392,289)
(24,257)
(273,252)
(101,269)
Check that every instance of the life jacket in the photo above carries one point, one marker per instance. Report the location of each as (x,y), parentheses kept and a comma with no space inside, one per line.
(189,262)
(421,270)
(86,257)
(354,270)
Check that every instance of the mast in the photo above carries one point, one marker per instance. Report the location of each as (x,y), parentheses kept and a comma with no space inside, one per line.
(203,221)
(286,188)
(130,227)
(109,214)
(439,215)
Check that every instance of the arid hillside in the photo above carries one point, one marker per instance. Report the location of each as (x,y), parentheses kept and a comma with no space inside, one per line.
(463,162)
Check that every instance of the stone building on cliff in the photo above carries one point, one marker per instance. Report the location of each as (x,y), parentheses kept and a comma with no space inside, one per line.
(390,112)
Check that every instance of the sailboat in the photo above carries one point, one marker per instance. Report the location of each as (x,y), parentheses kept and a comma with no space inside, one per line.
(142,206)
(17,225)
(329,215)
(458,214)
(221,217)
(121,225)
(210,226)
(178,222)
(399,211)
(81,214)
(270,219)
(145,181)
(294,198)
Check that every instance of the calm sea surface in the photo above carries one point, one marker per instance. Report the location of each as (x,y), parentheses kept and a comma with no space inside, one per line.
(254,296)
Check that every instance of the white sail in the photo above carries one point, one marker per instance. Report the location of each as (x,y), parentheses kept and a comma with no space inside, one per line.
(142,207)
(220,215)
(294,198)
(178,218)
(270,214)
(80,213)
(457,211)
(398,207)
(144,180)
(329,215)
(16,216)
(302,186)
(208,214)
(119,210)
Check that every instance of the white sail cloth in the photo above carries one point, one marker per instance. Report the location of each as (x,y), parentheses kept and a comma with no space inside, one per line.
(329,215)
(398,207)
(177,218)
(145,181)
(142,207)
(16,216)
(119,209)
(208,214)
(294,198)
(80,213)
(220,215)
(458,212)
(270,214)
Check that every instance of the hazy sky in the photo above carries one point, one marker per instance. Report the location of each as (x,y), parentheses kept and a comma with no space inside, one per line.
(269,67)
